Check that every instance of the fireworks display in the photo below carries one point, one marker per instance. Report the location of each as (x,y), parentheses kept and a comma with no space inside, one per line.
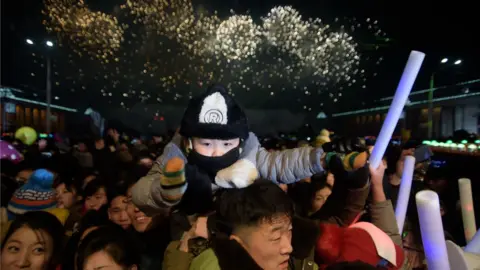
(283,27)
(237,37)
(93,33)
(171,49)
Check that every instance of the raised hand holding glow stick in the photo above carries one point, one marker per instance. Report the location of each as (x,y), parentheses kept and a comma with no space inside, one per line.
(404,193)
(431,228)
(468,215)
(401,95)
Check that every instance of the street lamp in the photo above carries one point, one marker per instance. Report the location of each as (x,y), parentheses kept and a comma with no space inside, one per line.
(430,96)
(49,44)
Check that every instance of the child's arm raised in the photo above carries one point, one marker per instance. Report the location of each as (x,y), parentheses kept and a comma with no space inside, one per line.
(157,190)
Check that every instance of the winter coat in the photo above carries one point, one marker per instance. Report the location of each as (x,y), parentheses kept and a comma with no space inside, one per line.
(284,167)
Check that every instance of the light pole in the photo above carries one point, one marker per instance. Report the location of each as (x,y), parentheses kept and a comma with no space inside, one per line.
(430,96)
(48,44)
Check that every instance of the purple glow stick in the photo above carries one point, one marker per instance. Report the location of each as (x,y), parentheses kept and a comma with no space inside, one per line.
(401,95)
(404,193)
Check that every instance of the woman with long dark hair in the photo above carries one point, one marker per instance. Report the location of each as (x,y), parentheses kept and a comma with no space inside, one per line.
(34,241)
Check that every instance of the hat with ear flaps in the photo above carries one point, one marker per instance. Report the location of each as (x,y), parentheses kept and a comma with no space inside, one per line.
(214,115)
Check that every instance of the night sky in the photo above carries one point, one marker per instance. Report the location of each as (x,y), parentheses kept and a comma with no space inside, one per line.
(439,30)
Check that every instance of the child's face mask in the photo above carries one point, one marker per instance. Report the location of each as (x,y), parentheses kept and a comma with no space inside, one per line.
(214,155)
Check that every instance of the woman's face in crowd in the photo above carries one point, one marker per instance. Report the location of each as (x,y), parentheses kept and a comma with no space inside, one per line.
(322,195)
(97,200)
(117,212)
(214,148)
(27,249)
(320,198)
(140,221)
(102,260)
(65,198)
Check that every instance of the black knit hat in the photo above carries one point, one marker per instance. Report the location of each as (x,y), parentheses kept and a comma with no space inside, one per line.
(214,115)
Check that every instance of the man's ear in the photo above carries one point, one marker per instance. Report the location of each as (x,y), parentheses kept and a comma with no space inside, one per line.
(236,238)
(239,233)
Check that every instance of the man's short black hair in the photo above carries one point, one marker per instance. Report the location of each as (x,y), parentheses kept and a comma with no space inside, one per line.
(119,189)
(262,201)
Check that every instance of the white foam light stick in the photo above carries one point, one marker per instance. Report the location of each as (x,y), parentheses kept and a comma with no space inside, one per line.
(431,228)
(398,103)
(468,214)
(474,245)
(404,193)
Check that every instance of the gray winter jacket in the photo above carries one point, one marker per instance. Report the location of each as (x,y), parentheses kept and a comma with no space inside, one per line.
(281,167)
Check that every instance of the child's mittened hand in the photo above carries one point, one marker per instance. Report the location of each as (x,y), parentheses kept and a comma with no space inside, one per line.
(241,174)
(173,176)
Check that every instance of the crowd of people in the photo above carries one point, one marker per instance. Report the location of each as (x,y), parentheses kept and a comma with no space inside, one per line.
(211,197)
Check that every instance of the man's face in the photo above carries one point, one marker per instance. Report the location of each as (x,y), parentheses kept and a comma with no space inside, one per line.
(214,148)
(117,212)
(269,243)
(140,221)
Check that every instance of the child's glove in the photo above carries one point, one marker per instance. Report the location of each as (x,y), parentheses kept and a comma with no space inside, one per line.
(352,151)
(239,175)
(173,181)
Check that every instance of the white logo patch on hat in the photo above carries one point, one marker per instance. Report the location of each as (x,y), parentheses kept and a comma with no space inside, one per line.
(214,110)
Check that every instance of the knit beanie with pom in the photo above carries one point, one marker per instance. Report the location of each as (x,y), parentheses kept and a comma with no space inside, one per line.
(36,195)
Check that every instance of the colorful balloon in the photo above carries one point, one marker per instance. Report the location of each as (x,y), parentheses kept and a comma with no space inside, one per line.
(26,135)
(7,151)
